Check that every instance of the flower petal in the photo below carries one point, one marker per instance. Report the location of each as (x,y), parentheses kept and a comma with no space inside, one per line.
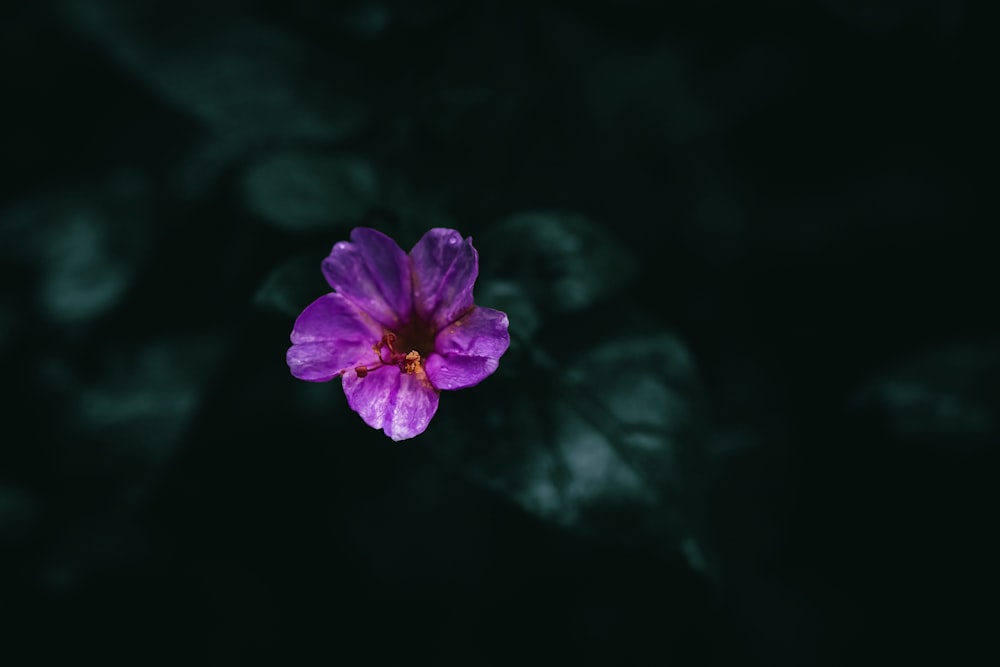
(401,404)
(455,372)
(373,273)
(469,349)
(330,336)
(444,271)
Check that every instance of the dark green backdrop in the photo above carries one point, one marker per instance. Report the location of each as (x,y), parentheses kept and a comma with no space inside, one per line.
(749,414)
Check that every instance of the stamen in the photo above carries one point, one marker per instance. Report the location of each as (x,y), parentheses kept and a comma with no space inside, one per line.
(410,363)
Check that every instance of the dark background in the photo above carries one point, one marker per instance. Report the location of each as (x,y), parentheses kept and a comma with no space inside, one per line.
(749,414)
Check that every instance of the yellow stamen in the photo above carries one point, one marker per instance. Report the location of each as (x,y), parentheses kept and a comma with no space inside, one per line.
(411,362)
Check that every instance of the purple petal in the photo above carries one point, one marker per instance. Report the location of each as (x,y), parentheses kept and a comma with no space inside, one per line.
(401,404)
(482,332)
(444,270)
(455,372)
(469,349)
(373,273)
(330,336)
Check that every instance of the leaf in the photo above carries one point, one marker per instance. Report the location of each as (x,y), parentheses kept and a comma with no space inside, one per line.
(945,396)
(608,444)
(241,78)
(550,262)
(128,410)
(87,247)
(292,286)
(510,297)
(248,83)
(148,397)
(300,192)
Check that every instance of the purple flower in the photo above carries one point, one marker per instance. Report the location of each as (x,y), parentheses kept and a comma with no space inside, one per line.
(399,328)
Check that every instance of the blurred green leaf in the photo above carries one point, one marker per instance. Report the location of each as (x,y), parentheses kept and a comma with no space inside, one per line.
(550,262)
(250,84)
(128,408)
(145,397)
(301,193)
(945,396)
(81,279)
(241,78)
(293,285)
(510,297)
(608,443)
(87,246)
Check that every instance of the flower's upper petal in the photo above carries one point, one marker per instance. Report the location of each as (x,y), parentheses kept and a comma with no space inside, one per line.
(373,273)
(401,404)
(469,349)
(330,336)
(444,271)
(482,332)
(317,362)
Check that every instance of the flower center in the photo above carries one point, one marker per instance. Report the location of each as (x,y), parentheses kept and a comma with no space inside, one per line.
(406,348)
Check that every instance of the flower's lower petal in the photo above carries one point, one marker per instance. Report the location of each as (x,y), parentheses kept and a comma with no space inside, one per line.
(401,404)
(469,349)
(458,372)
(330,336)
(444,271)
(373,273)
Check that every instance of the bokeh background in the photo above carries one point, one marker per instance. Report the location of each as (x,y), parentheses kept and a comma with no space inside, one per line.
(749,413)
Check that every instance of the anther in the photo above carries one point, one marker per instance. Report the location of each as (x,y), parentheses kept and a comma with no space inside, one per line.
(411,362)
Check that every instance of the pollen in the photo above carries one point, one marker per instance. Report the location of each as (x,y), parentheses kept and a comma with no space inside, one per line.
(411,362)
